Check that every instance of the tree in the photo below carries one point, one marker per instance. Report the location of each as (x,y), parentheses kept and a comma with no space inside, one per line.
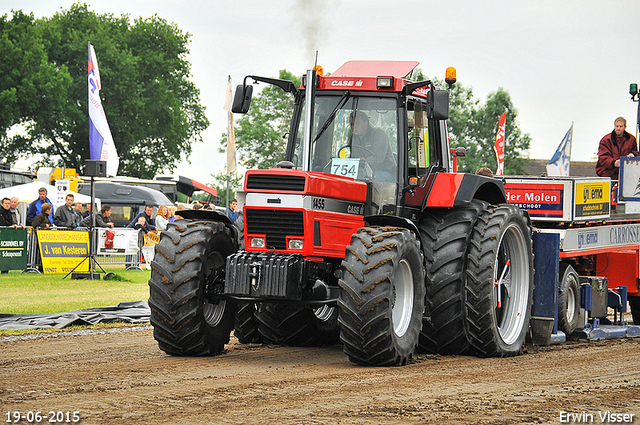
(485,129)
(153,110)
(25,74)
(260,141)
(474,126)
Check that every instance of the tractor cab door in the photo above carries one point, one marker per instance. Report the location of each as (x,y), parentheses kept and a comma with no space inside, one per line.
(427,147)
(354,135)
(427,141)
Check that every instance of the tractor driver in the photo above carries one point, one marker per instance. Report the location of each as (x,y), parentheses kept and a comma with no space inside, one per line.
(372,144)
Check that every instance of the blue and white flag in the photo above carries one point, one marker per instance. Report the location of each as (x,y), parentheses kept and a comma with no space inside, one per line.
(101,143)
(561,161)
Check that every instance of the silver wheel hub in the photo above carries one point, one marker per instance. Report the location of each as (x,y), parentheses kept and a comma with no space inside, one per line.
(402,298)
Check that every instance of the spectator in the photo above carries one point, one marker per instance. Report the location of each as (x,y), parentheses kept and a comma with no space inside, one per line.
(5,218)
(484,171)
(42,221)
(614,145)
(148,251)
(35,207)
(162,217)
(5,214)
(150,223)
(14,211)
(197,206)
(77,211)
(172,213)
(87,212)
(65,216)
(181,207)
(233,211)
(102,218)
(141,224)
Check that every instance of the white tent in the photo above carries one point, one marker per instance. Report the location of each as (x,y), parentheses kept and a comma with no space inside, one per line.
(28,193)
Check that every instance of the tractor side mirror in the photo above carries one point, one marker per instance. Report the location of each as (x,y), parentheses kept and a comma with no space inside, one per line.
(242,99)
(438,103)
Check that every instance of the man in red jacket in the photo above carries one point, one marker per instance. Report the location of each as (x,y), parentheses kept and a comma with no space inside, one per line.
(614,145)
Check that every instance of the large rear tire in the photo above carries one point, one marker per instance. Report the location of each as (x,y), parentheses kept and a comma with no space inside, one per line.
(246,325)
(285,324)
(382,296)
(297,325)
(190,258)
(499,315)
(445,240)
(568,299)
(325,325)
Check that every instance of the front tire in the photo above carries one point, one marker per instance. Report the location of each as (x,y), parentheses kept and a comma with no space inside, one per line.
(382,296)
(499,315)
(189,263)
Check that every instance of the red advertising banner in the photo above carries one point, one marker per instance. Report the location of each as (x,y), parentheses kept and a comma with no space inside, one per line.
(541,200)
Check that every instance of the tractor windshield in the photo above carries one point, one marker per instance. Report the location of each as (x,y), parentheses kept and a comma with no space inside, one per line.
(352,135)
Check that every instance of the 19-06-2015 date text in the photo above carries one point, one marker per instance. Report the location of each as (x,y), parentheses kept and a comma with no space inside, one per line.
(43,417)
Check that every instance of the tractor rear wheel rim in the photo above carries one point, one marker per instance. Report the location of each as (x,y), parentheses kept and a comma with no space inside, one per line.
(515,284)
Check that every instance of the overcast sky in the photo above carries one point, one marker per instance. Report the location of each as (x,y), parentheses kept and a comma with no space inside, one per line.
(561,61)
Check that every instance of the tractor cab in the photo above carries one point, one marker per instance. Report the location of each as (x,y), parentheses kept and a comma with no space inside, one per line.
(366,122)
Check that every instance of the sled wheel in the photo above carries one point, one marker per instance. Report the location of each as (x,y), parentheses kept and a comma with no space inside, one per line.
(568,299)
(634,303)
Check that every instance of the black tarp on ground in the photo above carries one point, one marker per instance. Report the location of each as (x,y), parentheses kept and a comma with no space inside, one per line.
(129,312)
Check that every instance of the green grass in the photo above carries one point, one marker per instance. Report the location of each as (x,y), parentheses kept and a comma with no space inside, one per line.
(32,293)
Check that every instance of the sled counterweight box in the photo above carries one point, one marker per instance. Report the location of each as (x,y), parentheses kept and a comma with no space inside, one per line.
(594,295)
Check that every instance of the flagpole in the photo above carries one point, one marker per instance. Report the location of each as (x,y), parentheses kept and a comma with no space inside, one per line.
(570,148)
(231,146)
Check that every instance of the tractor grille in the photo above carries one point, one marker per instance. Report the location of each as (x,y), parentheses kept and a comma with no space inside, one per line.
(276,224)
(275,182)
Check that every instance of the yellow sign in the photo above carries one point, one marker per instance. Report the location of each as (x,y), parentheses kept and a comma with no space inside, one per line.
(62,250)
(151,238)
(592,198)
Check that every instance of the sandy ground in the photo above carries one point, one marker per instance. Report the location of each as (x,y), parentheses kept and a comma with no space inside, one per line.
(121,377)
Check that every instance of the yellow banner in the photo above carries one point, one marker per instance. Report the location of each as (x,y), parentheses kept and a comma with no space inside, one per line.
(592,198)
(62,250)
(151,238)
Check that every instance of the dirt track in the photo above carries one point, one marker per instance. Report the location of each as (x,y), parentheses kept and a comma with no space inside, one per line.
(121,377)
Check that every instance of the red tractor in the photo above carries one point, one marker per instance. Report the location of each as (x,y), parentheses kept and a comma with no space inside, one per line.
(364,234)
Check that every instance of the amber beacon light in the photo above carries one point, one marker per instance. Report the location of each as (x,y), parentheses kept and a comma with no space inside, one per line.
(450,76)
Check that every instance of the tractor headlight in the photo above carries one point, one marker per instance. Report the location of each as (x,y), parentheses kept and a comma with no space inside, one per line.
(296,243)
(258,242)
